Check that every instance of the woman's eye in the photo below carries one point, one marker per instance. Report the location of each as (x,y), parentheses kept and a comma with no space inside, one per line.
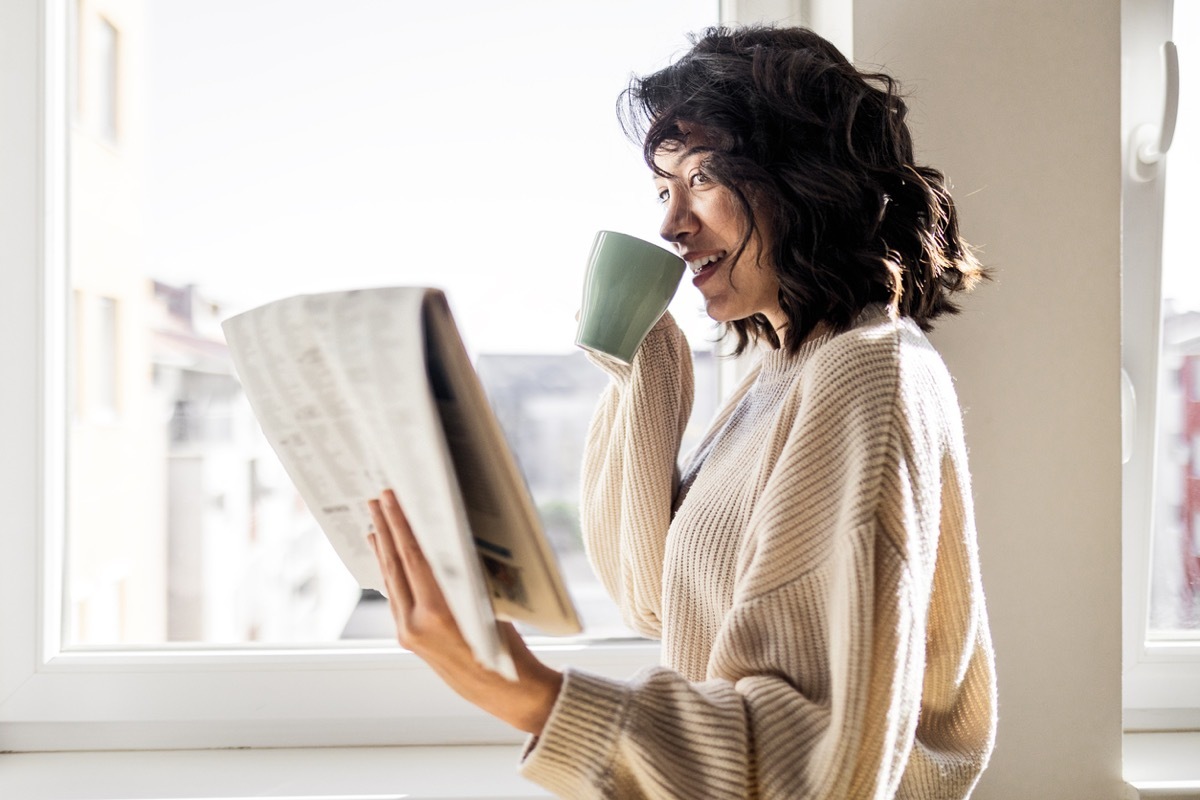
(699,179)
(664,195)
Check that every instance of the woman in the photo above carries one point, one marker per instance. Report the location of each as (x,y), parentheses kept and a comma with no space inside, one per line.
(812,571)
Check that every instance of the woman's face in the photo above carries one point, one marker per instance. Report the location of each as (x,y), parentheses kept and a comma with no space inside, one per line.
(703,220)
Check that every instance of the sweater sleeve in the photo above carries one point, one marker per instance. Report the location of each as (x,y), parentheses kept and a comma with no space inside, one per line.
(630,471)
(814,687)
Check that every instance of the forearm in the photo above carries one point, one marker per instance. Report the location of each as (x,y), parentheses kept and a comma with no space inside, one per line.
(630,472)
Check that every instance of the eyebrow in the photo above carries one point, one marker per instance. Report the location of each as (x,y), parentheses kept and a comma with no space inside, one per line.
(691,151)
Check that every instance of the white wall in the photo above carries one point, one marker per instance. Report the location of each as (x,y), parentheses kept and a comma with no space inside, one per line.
(1019,103)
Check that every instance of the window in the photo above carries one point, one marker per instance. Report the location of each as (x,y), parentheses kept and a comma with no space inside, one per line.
(100,645)
(1175,575)
(246,201)
(1161,350)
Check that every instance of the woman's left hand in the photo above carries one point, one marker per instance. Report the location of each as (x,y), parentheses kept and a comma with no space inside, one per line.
(425,625)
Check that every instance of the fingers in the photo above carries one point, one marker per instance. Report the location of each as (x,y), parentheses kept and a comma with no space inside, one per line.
(383,543)
(421,581)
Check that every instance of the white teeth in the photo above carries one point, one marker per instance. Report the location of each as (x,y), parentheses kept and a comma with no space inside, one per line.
(701,263)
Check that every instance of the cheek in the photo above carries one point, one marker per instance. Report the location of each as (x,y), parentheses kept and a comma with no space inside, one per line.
(726,213)
(718,210)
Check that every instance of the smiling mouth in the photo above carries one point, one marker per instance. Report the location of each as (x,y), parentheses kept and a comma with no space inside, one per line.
(705,263)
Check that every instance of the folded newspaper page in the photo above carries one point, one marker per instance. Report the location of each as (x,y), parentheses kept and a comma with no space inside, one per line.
(365,390)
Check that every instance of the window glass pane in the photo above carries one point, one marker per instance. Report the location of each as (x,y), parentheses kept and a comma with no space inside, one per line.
(1175,593)
(270,150)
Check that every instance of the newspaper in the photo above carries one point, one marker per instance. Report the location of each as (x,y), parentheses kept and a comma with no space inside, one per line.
(364,390)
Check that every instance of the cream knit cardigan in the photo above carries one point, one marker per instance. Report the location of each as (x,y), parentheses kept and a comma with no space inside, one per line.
(813,575)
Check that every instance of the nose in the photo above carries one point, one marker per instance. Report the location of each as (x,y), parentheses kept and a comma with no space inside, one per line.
(678,221)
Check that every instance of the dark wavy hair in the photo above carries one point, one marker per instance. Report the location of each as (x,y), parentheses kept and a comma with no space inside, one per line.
(820,159)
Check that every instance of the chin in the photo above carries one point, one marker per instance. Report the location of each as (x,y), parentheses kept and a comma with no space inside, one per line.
(716,314)
(724,317)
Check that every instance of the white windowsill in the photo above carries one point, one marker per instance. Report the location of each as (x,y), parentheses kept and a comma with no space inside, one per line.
(1158,765)
(1163,764)
(345,773)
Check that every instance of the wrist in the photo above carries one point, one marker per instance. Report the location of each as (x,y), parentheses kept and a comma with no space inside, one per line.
(547,688)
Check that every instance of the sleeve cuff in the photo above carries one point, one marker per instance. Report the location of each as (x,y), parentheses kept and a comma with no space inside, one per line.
(573,755)
(662,333)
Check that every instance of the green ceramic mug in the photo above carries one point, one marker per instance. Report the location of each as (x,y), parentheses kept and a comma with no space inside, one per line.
(628,285)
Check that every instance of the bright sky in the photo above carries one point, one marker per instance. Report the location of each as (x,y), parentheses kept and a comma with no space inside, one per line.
(309,146)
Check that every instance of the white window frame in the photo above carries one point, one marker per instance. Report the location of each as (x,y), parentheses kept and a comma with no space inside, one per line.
(184,697)
(1161,679)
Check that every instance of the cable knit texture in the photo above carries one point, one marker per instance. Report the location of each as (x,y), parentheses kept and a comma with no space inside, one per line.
(812,572)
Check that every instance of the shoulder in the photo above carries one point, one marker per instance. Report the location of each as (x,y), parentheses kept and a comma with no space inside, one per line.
(849,366)
(877,351)
(881,379)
